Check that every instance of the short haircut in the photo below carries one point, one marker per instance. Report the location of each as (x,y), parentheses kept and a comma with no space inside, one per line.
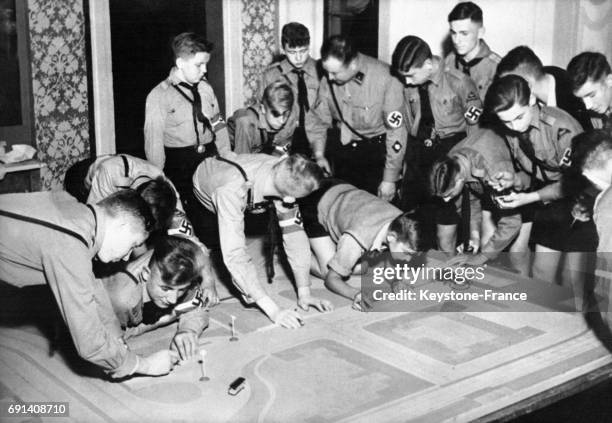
(294,34)
(278,97)
(591,149)
(410,52)
(588,65)
(339,47)
(505,92)
(188,44)
(408,229)
(161,198)
(297,176)
(523,59)
(466,10)
(179,260)
(443,176)
(128,203)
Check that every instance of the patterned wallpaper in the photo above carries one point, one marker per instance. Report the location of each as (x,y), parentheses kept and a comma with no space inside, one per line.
(59,85)
(259,42)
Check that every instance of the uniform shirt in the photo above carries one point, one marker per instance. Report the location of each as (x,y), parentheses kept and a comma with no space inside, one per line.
(282,71)
(454,100)
(49,237)
(112,173)
(372,104)
(602,216)
(169,120)
(354,219)
(128,293)
(483,72)
(220,187)
(251,131)
(483,153)
(551,133)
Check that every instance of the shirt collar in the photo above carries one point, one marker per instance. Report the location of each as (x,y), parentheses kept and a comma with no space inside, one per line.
(99,225)
(309,67)
(380,238)
(483,50)
(436,77)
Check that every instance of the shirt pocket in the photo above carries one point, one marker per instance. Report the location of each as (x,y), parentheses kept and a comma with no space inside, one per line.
(178,114)
(367,116)
(450,106)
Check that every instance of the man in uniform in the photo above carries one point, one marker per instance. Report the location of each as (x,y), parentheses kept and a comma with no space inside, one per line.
(539,139)
(550,85)
(256,129)
(471,54)
(343,223)
(50,238)
(111,173)
(361,95)
(301,72)
(231,186)
(475,171)
(442,107)
(183,124)
(592,82)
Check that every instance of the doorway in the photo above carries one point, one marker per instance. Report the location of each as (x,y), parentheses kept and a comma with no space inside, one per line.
(141,33)
(357,19)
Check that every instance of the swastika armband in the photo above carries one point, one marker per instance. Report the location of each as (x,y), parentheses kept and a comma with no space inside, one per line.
(566,159)
(184,228)
(394,119)
(472,114)
(187,306)
(290,222)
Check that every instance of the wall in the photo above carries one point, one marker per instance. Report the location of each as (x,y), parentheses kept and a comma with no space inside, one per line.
(59,85)
(555,30)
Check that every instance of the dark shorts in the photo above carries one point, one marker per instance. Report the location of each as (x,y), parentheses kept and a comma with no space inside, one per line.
(308,209)
(360,163)
(554,228)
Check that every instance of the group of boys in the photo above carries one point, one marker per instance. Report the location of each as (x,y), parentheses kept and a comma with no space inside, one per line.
(482,144)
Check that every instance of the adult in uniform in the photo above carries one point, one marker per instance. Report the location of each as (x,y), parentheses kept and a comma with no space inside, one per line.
(183,124)
(50,238)
(249,183)
(302,73)
(471,54)
(473,174)
(441,107)
(361,95)
(539,139)
(343,223)
(550,85)
(167,277)
(256,129)
(591,77)
(111,173)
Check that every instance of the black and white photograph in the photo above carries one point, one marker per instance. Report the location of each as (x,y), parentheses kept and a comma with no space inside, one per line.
(306,211)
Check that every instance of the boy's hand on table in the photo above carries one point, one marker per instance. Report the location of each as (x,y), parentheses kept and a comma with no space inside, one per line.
(185,344)
(157,364)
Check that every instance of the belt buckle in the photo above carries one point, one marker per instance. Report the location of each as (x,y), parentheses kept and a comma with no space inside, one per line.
(428,143)
(200,148)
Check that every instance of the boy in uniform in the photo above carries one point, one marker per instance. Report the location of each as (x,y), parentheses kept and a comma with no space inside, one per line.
(302,73)
(471,54)
(343,222)
(592,82)
(550,85)
(539,139)
(365,100)
(475,171)
(441,107)
(256,129)
(161,287)
(183,123)
(111,173)
(231,186)
(50,238)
